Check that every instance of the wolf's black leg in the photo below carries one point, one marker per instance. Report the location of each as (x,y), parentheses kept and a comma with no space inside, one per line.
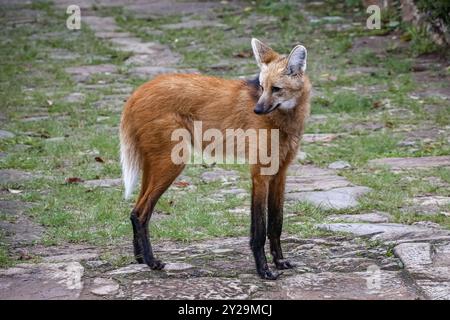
(275,220)
(258,228)
(144,247)
(136,243)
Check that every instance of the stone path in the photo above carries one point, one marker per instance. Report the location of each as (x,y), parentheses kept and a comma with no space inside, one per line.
(18,228)
(355,263)
(428,265)
(219,269)
(147,59)
(412,163)
(321,187)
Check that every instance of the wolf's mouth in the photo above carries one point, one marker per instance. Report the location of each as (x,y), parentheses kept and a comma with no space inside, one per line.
(273,108)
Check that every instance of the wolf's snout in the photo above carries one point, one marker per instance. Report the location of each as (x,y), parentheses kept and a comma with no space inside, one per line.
(260,108)
(265,109)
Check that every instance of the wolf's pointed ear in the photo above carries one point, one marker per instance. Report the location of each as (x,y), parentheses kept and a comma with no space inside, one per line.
(263,53)
(297,60)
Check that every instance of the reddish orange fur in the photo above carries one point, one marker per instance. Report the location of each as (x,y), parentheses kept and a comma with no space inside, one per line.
(174,101)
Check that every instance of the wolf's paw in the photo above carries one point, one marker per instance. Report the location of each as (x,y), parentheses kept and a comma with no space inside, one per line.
(283,264)
(139,259)
(156,264)
(267,274)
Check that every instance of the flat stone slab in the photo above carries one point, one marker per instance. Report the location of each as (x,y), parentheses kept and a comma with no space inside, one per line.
(149,53)
(103,183)
(72,257)
(428,205)
(388,231)
(373,217)
(370,285)
(177,266)
(240,193)
(112,34)
(113,103)
(43,281)
(147,72)
(191,24)
(319,137)
(240,211)
(317,183)
(100,24)
(35,118)
(6,134)
(412,163)
(135,45)
(150,71)
(321,187)
(14,176)
(375,44)
(11,208)
(62,253)
(429,267)
(84,73)
(144,9)
(338,198)
(220,175)
(62,54)
(22,231)
(432,201)
(309,171)
(55,139)
(339,165)
(132,268)
(104,287)
(191,289)
(75,97)
(18,228)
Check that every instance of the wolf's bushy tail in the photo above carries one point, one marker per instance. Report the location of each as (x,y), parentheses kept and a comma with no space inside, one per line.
(130,160)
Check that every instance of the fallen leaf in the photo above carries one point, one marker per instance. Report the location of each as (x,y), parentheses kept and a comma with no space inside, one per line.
(73,180)
(377,104)
(181,184)
(418,68)
(24,255)
(99,159)
(406,37)
(243,54)
(389,124)
(13,191)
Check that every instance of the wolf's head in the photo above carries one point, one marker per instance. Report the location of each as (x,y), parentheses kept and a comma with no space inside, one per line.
(281,77)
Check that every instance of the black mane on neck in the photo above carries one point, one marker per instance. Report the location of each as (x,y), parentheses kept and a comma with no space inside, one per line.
(254,87)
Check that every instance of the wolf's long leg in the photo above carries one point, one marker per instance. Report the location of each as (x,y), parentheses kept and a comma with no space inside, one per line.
(258,224)
(158,176)
(275,219)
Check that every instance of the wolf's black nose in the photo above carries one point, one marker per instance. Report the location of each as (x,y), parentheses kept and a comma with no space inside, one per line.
(259,109)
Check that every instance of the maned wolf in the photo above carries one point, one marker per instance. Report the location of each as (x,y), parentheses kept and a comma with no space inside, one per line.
(278,99)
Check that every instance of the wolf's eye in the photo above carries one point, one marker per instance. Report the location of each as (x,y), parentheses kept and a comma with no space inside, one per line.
(276,89)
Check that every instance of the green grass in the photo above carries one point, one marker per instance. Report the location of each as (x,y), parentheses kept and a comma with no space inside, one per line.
(355,149)
(342,102)
(421,42)
(5,260)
